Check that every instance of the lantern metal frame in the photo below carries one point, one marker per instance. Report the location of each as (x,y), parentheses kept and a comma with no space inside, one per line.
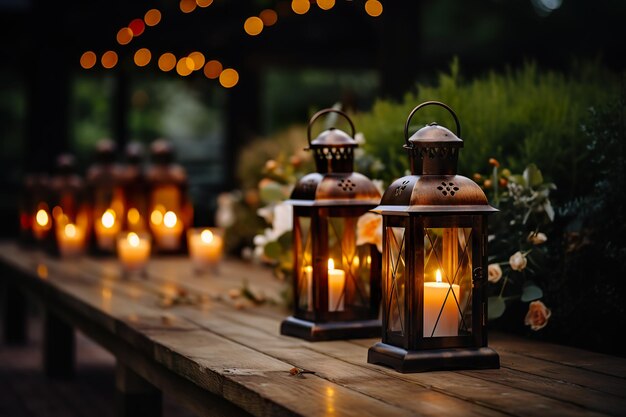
(334,191)
(434,196)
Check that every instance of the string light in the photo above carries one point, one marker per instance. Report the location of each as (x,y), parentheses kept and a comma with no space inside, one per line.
(88,60)
(167,62)
(300,6)
(137,27)
(204,3)
(124,36)
(187,6)
(253,26)
(185,66)
(152,17)
(213,69)
(373,8)
(269,17)
(142,57)
(109,59)
(229,78)
(198,60)
(326,4)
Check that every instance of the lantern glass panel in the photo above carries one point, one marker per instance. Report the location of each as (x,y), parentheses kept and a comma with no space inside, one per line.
(395,279)
(447,281)
(305,264)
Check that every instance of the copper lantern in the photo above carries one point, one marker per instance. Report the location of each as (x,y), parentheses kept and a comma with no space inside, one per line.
(336,275)
(434,260)
(135,189)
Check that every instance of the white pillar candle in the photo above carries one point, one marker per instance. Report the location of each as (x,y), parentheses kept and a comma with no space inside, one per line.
(205,248)
(133,251)
(336,285)
(42,224)
(167,229)
(434,296)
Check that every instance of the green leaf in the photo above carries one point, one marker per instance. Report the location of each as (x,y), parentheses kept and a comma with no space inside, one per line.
(285,239)
(531,292)
(532,176)
(272,192)
(272,250)
(496,307)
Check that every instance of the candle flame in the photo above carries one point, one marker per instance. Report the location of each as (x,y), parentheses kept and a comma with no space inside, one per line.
(331,264)
(133,239)
(133,216)
(206,236)
(156,217)
(70,230)
(438,276)
(169,220)
(42,217)
(108,219)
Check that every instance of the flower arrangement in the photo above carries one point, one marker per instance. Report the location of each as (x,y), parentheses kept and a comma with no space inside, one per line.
(517,239)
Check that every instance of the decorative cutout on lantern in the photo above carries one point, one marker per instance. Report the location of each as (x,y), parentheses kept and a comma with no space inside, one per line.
(336,274)
(435,247)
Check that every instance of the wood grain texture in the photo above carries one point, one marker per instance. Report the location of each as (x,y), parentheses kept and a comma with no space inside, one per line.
(221,359)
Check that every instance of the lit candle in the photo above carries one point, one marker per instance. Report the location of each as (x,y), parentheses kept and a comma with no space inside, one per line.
(71,240)
(167,229)
(42,224)
(133,251)
(308,274)
(336,284)
(434,295)
(205,248)
(106,229)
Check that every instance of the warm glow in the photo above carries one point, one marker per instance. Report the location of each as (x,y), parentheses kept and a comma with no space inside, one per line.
(206,236)
(70,230)
(356,262)
(42,271)
(57,212)
(184,66)
(133,239)
(137,27)
(373,8)
(253,26)
(167,62)
(108,219)
(124,36)
(326,4)
(198,60)
(213,69)
(438,276)
(269,17)
(204,3)
(142,57)
(300,6)
(88,60)
(152,17)
(133,216)
(156,217)
(169,220)
(109,59)
(107,293)
(229,78)
(331,263)
(42,218)
(187,6)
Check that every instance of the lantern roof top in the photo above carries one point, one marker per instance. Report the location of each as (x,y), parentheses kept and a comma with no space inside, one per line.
(335,189)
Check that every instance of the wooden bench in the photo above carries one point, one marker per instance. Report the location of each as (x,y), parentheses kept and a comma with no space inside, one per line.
(223,360)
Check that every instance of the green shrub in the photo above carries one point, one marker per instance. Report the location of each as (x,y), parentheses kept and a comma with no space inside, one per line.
(519,116)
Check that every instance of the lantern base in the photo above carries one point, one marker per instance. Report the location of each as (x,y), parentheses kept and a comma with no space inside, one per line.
(338,330)
(408,361)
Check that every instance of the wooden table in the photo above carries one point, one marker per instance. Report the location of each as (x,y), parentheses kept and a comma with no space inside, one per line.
(221,358)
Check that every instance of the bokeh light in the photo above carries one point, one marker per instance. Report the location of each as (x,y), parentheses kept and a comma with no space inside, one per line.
(326,4)
(167,62)
(204,3)
(88,59)
(373,8)
(109,59)
(229,78)
(300,6)
(124,36)
(269,17)
(253,26)
(184,66)
(213,69)
(198,60)
(142,57)
(152,17)
(187,6)
(137,26)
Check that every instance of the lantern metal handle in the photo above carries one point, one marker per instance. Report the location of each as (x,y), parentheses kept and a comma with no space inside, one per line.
(424,104)
(323,112)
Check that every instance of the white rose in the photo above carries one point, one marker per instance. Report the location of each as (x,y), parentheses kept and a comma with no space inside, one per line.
(537,238)
(494,273)
(518,261)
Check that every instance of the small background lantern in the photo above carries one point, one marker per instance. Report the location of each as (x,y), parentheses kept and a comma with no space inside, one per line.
(104,182)
(434,260)
(336,283)
(34,211)
(169,206)
(135,189)
(70,209)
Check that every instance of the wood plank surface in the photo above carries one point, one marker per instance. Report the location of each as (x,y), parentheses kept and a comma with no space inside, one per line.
(234,352)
